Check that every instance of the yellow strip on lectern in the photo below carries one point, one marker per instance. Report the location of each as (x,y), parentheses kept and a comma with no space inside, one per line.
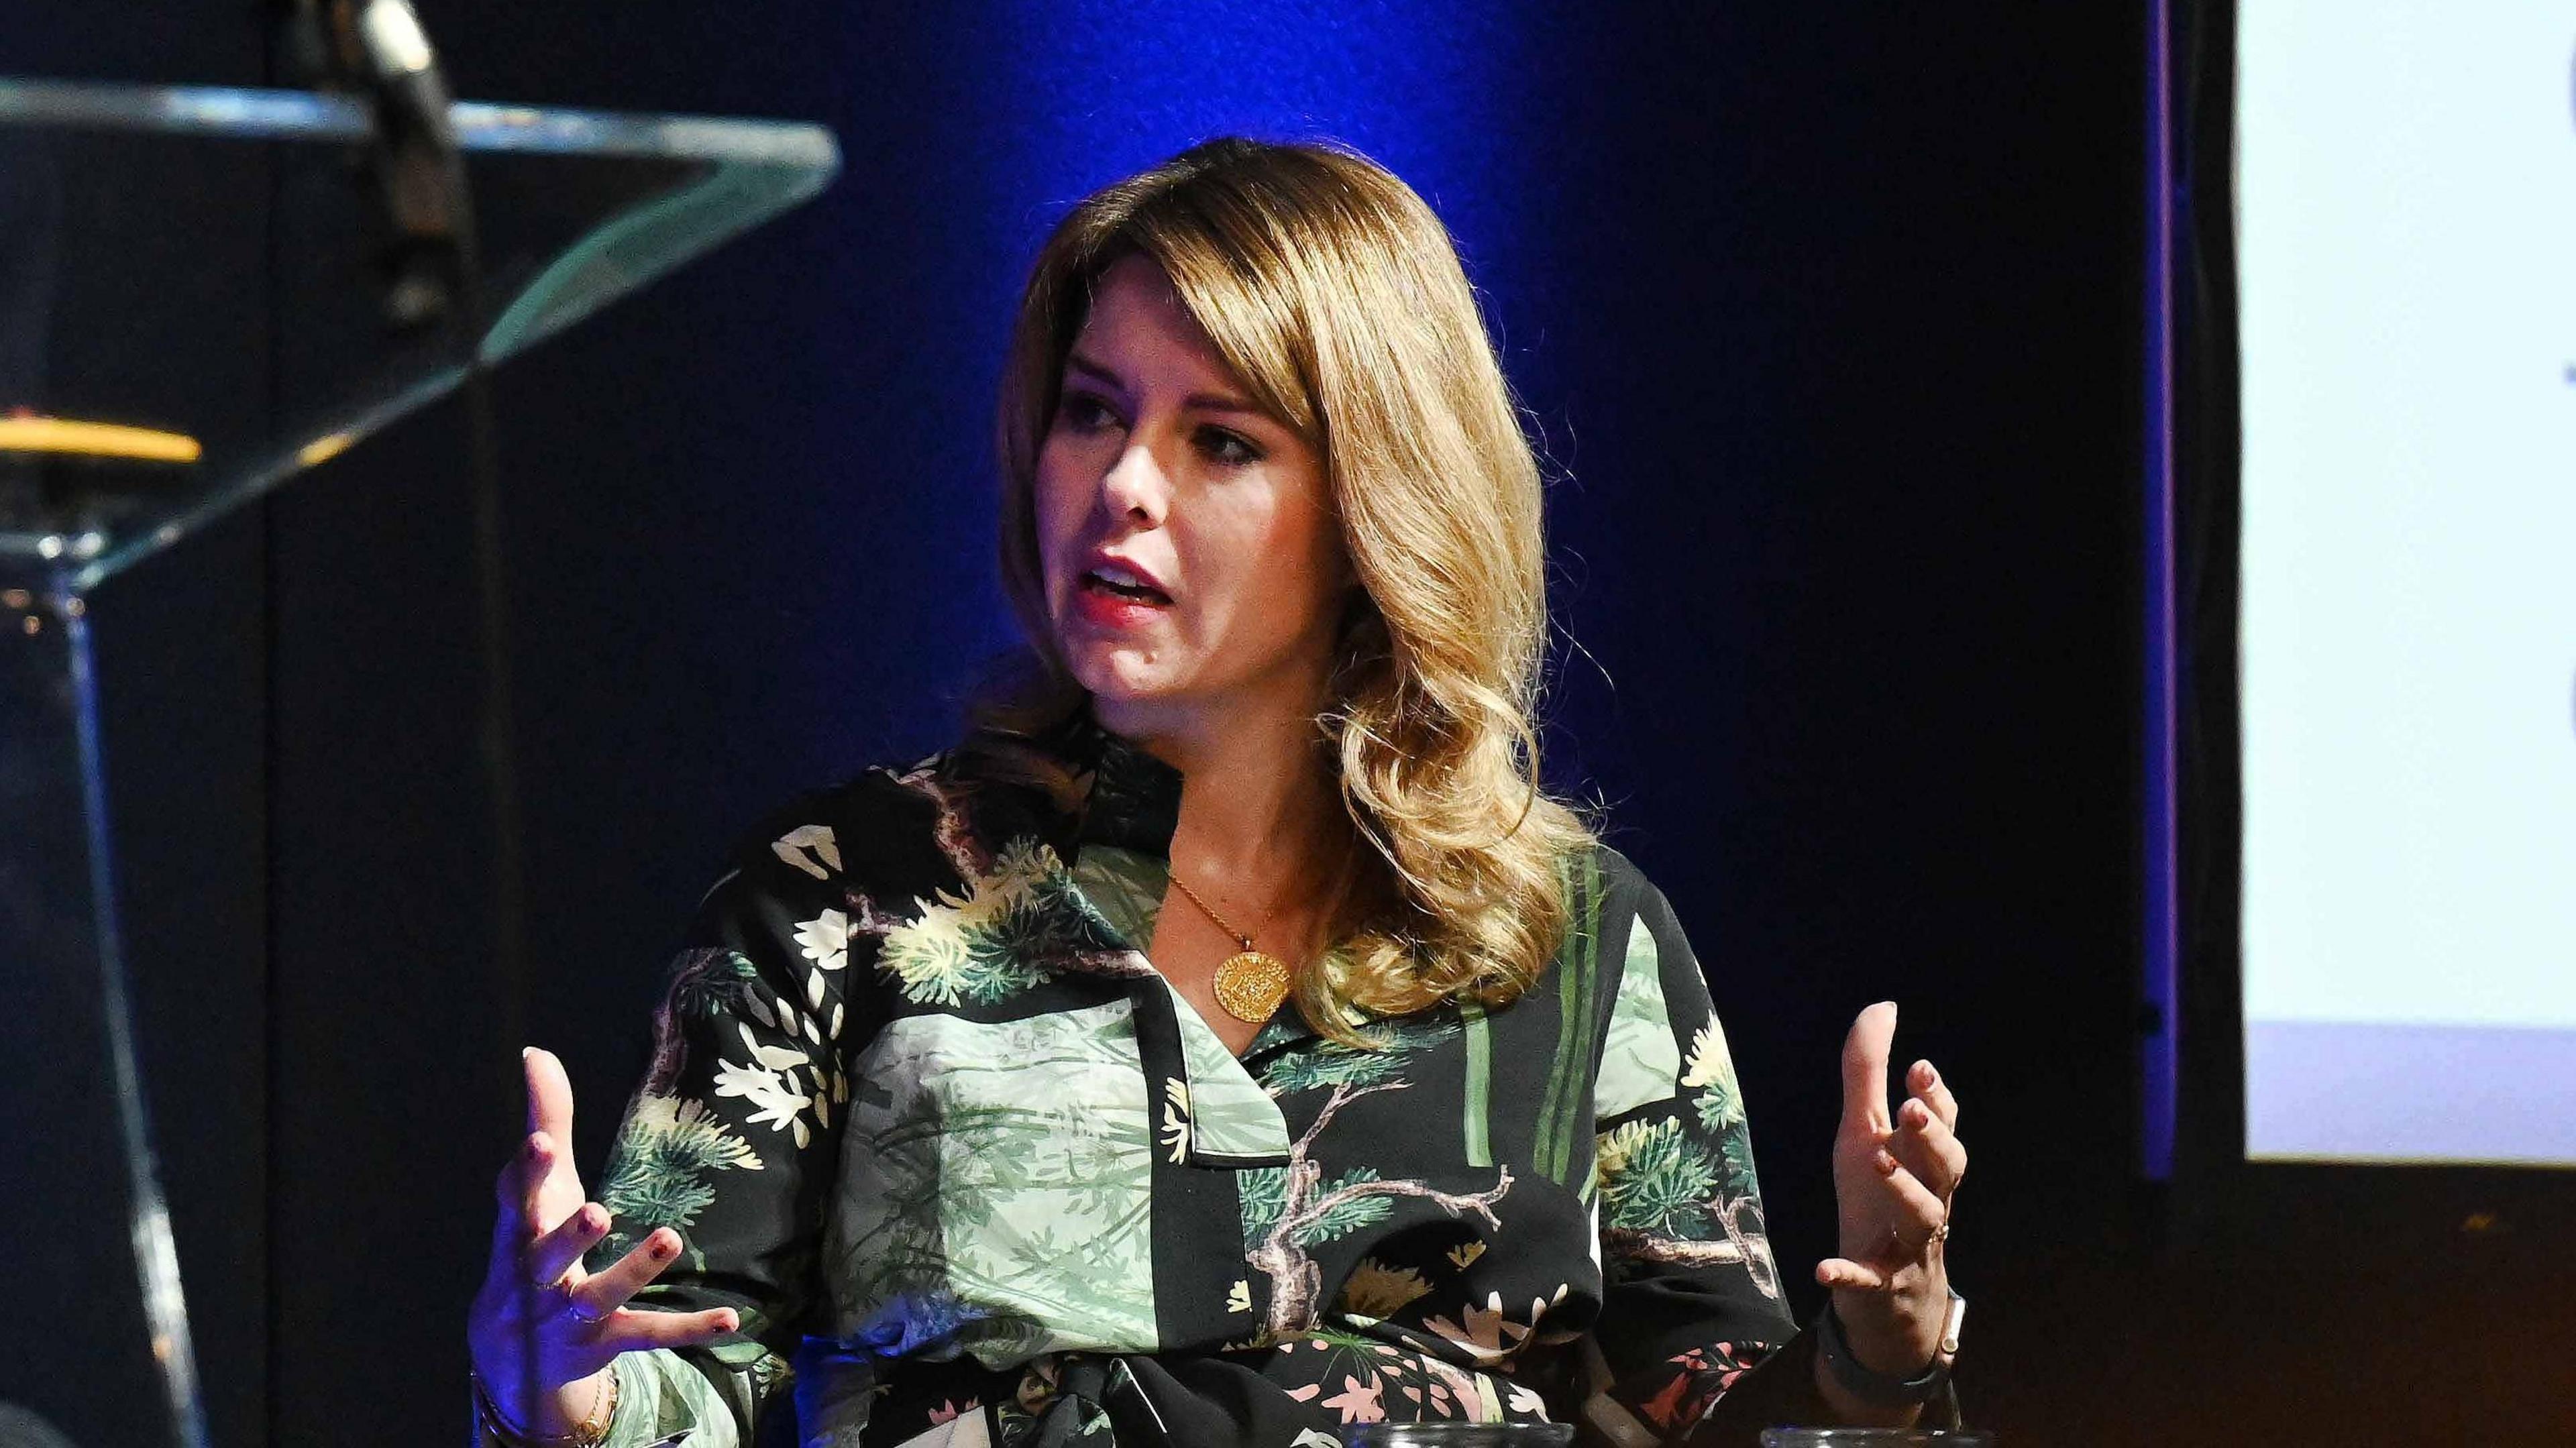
(95,439)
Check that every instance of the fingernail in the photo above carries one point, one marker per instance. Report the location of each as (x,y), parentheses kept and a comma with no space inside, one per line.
(665,1247)
(526,1051)
(1886,1163)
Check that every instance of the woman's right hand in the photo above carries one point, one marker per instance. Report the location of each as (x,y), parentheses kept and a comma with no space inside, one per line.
(543,1329)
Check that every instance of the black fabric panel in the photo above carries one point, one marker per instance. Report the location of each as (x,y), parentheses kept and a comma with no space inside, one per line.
(1198,1208)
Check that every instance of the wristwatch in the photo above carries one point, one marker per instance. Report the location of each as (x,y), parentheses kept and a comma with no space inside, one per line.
(1878,1389)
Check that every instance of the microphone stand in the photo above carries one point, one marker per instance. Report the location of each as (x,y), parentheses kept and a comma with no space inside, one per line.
(433,275)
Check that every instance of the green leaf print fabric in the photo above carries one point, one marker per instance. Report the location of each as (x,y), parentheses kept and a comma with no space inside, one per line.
(923,1111)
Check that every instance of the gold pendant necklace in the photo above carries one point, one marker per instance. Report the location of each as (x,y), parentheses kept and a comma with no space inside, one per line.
(1249,984)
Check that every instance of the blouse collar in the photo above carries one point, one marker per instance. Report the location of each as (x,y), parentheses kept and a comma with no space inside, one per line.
(1135,799)
(1134,803)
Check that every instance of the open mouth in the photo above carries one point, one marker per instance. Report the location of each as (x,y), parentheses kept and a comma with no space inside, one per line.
(1119,583)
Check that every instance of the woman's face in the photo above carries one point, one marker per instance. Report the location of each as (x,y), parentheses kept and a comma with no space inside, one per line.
(1192,561)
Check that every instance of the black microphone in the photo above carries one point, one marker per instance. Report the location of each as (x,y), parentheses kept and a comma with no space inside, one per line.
(378,49)
(419,169)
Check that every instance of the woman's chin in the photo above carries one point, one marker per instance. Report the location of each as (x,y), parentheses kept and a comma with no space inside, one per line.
(1120,679)
(1118,698)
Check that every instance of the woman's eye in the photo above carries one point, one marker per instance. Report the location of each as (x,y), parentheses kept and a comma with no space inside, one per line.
(1227,448)
(1084,413)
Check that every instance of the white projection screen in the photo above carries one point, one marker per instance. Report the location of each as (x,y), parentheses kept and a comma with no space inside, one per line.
(2406,265)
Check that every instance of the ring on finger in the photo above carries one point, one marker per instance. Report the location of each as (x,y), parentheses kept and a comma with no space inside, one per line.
(573,1309)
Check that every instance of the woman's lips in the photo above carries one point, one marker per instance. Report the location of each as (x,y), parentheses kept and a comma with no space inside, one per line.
(1096,601)
(1125,577)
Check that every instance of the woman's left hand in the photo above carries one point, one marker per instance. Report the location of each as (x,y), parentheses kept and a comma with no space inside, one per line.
(1893,1180)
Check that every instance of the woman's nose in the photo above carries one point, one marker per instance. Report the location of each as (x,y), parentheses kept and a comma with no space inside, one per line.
(1135,485)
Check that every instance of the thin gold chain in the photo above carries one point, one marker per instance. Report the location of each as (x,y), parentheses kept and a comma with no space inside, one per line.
(1221,922)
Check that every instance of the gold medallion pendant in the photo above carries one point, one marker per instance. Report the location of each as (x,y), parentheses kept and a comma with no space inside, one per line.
(1251,985)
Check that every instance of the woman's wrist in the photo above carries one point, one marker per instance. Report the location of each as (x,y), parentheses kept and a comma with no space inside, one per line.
(577,1414)
(1867,1393)
(1845,1408)
(1894,1334)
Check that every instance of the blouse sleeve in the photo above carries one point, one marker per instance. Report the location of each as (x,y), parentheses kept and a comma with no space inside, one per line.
(1692,1296)
(733,1140)
(1696,1337)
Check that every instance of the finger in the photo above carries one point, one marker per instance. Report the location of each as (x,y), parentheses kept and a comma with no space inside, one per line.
(1919,1213)
(606,1290)
(1844,1272)
(639,1331)
(510,1185)
(511,1232)
(549,1094)
(523,1173)
(539,1157)
(552,1255)
(1928,1149)
(1865,1067)
(1932,1091)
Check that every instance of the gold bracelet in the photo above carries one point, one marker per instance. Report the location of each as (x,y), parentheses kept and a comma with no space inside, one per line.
(590,1432)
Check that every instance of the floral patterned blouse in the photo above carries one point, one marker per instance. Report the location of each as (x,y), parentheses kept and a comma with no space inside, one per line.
(972,1172)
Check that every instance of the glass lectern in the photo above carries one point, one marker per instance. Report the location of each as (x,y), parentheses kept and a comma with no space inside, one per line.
(104,462)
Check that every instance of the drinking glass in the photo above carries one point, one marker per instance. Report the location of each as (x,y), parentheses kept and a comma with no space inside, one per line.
(1458,1435)
(1876,1439)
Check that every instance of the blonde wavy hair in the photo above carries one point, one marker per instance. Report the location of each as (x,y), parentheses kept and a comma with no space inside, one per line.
(1336,298)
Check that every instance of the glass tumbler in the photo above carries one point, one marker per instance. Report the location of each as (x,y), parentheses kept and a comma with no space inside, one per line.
(1458,1435)
(1876,1439)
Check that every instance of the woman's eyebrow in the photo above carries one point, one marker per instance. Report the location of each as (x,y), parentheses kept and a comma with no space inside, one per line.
(1076,362)
(1196,401)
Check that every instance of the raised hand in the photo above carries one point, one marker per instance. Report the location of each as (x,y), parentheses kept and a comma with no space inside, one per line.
(543,1328)
(1893,1180)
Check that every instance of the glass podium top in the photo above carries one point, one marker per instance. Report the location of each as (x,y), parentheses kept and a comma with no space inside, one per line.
(192,306)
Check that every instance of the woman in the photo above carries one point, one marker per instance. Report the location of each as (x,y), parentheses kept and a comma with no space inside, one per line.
(1226,1041)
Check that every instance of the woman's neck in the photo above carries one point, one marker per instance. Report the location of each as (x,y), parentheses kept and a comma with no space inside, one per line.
(1261,818)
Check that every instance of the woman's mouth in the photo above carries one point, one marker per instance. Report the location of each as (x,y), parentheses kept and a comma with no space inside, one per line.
(1112,597)
(1116,582)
